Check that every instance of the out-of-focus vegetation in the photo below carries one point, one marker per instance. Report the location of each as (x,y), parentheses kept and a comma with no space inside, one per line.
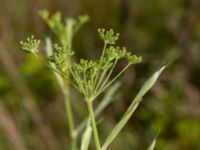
(31,107)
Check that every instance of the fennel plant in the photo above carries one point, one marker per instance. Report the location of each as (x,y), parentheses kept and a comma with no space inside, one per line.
(89,77)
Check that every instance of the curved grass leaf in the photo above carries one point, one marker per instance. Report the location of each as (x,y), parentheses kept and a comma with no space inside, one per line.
(138,98)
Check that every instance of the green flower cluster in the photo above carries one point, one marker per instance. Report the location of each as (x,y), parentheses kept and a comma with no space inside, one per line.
(108,36)
(61,57)
(31,45)
(57,25)
(84,65)
(84,74)
(113,53)
(54,21)
(90,77)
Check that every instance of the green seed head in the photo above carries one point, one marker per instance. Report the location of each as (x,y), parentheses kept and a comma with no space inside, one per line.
(133,59)
(108,36)
(83,18)
(31,45)
(61,57)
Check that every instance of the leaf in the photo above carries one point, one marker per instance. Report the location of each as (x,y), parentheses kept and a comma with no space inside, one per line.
(153,143)
(86,138)
(152,146)
(138,98)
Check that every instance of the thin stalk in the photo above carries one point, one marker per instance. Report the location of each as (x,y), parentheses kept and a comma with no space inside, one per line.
(108,84)
(85,80)
(93,123)
(80,84)
(69,32)
(100,80)
(103,52)
(77,84)
(69,35)
(108,76)
(65,90)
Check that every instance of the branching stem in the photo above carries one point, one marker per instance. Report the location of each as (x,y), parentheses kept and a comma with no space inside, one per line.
(108,84)
(102,55)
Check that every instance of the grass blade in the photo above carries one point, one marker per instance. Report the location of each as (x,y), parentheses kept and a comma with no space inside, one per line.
(152,146)
(145,88)
(153,143)
(86,137)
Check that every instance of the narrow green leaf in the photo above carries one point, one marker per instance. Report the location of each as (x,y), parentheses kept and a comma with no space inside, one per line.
(86,138)
(152,146)
(153,143)
(145,88)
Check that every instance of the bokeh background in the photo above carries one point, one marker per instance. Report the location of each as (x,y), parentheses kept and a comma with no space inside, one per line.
(31,103)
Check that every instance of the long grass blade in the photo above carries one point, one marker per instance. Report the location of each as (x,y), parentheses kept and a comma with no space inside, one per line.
(152,146)
(145,88)
(153,143)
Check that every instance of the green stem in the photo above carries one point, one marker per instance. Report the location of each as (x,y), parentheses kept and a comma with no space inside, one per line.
(69,32)
(69,114)
(85,83)
(94,127)
(98,72)
(108,76)
(108,84)
(100,80)
(69,35)
(65,90)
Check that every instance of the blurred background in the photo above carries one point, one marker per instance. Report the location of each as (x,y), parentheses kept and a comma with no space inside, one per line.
(31,103)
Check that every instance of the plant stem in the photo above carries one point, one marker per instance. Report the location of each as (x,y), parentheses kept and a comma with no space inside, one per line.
(108,76)
(93,122)
(65,90)
(102,55)
(69,35)
(69,116)
(69,32)
(108,84)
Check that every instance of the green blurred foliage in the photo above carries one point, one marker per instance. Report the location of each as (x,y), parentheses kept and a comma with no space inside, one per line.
(161,31)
